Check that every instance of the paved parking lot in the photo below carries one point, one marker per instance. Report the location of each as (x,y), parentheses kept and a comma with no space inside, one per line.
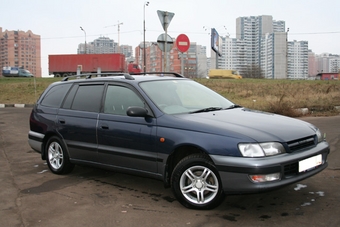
(31,195)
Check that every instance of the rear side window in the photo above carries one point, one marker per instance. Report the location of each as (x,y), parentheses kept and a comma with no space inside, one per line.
(88,98)
(55,95)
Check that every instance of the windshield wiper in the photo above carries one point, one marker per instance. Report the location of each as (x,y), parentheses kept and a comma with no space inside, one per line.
(233,107)
(208,109)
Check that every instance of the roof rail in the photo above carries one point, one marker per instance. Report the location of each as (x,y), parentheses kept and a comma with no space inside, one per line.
(161,74)
(89,75)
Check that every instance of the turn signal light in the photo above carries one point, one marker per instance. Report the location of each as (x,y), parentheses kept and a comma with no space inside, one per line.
(265,178)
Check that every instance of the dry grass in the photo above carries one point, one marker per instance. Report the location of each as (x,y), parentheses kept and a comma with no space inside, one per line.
(281,96)
(276,96)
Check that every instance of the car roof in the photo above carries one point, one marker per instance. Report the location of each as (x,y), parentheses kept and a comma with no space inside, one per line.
(129,78)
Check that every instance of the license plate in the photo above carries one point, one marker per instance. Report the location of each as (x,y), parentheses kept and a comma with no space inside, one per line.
(310,163)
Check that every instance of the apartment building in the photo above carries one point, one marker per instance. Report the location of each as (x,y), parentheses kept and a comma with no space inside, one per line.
(264,42)
(312,66)
(102,45)
(20,49)
(334,64)
(194,60)
(251,30)
(153,57)
(233,55)
(326,63)
(273,52)
(298,59)
(126,50)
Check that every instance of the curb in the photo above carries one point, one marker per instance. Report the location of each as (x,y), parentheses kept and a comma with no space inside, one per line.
(17,105)
(305,111)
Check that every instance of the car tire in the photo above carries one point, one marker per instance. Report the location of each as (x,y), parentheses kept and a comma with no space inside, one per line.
(56,156)
(196,184)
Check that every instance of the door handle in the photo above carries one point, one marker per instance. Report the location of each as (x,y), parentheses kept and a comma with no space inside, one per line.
(62,121)
(104,126)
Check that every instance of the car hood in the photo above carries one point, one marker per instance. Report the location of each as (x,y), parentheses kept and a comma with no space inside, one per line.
(242,122)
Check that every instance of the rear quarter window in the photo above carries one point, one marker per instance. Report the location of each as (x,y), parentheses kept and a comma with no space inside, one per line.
(55,95)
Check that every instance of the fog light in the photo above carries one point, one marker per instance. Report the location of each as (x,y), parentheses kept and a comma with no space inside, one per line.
(265,178)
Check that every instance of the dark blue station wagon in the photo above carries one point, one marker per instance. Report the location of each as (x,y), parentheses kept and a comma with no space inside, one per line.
(176,130)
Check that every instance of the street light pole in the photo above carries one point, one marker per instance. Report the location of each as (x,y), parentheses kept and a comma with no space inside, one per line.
(287,53)
(144,51)
(119,24)
(85,37)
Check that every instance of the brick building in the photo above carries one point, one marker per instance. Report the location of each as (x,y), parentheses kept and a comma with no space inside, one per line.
(20,49)
(192,62)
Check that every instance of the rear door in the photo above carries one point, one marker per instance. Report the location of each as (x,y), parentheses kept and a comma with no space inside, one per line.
(124,141)
(77,120)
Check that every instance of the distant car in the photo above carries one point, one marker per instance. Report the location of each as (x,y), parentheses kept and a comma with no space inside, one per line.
(176,130)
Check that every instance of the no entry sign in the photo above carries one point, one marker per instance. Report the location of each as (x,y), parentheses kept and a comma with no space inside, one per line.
(182,43)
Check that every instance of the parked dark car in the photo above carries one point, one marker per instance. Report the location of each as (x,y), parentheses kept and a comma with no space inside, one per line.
(176,130)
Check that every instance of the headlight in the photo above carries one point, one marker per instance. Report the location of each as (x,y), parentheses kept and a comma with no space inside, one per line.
(261,149)
(319,135)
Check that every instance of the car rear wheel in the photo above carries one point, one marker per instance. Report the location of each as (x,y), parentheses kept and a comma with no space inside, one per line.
(57,158)
(195,183)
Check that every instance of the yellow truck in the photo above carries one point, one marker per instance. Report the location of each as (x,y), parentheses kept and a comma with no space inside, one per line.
(224,74)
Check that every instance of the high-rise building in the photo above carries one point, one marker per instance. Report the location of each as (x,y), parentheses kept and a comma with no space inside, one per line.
(273,52)
(202,66)
(153,57)
(20,49)
(251,30)
(102,45)
(312,65)
(105,45)
(233,55)
(194,60)
(334,65)
(265,45)
(327,63)
(298,59)
(126,50)
(322,61)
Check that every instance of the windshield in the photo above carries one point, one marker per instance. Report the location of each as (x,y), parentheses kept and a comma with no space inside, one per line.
(183,96)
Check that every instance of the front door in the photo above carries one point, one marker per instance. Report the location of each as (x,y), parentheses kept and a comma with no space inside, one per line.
(123,141)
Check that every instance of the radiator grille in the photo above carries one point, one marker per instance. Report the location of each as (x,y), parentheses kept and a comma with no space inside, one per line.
(301,143)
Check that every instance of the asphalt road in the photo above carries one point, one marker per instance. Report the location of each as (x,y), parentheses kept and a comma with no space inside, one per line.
(30,195)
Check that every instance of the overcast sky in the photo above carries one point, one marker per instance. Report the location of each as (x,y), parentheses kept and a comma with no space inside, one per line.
(58,22)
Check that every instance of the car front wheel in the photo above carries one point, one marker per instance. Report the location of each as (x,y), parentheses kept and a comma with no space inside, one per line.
(196,184)
(57,158)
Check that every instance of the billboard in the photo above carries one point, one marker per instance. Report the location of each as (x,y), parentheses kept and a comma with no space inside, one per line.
(216,42)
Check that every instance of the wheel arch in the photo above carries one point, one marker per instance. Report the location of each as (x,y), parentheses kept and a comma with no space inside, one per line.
(177,155)
(47,136)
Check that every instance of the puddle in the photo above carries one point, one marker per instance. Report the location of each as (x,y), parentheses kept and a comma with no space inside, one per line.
(306,204)
(299,186)
(318,193)
(42,171)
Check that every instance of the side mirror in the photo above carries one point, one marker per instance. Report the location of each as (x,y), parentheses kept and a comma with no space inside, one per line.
(136,111)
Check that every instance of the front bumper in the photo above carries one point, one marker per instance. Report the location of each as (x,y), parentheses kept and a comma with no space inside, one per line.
(235,171)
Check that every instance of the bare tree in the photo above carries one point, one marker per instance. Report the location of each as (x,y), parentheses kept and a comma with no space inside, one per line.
(253,71)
